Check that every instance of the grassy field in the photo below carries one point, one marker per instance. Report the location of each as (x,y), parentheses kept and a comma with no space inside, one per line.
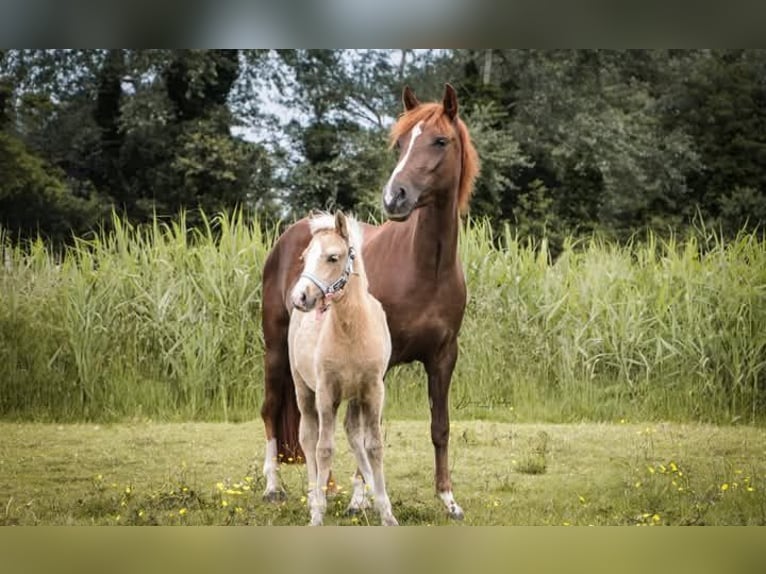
(504,474)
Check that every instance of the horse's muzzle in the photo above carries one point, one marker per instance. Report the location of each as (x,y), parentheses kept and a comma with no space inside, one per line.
(399,202)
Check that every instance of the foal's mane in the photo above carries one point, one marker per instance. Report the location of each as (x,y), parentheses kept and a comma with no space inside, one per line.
(433,114)
(324,221)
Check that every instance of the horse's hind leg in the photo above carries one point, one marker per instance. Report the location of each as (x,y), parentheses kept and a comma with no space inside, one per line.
(363,477)
(371,414)
(277,376)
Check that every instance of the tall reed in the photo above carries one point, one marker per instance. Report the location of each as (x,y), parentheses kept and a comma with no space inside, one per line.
(652,329)
(155,321)
(161,321)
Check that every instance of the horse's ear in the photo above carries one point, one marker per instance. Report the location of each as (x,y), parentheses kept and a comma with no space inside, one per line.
(341,226)
(409,99)
(450,101)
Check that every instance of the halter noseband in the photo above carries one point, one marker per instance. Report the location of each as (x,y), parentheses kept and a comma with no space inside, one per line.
(340,282)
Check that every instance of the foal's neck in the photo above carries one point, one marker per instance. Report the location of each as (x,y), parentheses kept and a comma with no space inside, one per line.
(350,308)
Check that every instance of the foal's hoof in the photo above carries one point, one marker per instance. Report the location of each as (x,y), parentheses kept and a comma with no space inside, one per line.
(275,496)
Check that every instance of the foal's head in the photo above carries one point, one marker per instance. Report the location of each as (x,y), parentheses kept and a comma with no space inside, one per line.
(328,261)
(437,161)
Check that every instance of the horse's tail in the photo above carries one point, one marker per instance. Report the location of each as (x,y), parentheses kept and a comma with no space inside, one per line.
(289,418)
(280,408)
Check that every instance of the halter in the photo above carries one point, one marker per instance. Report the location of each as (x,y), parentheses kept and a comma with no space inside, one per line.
(340,282)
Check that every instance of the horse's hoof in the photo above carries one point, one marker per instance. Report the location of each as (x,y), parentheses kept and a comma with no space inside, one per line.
(456,513)
(275,496)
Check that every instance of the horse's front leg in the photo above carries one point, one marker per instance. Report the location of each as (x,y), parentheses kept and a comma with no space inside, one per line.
(308,431)
(327,407)
(439,369)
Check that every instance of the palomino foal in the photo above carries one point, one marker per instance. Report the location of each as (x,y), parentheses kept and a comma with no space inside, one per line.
(339,347)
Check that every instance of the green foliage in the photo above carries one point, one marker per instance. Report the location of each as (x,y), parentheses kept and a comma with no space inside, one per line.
(34,198)
(571,141)
(152,320)
(659,329)
(145,131)
(163,321)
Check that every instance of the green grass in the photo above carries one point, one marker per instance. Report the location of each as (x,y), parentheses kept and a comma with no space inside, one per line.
(164,322)
(208,474)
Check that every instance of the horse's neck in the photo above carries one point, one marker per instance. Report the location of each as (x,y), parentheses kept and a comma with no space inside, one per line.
(435,234)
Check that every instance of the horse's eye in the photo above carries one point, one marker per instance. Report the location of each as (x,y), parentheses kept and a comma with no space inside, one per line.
(397,146)
(441,141)
(332,258)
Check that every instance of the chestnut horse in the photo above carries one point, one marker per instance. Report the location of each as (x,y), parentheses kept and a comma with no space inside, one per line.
(413,270)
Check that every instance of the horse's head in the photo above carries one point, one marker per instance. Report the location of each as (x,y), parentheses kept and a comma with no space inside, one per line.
(327,261)
(437,161)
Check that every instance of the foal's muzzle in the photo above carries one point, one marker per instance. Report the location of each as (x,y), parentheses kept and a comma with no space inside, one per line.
(305,297)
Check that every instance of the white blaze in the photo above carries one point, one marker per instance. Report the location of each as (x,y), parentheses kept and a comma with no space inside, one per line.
(311,264)
(389,194)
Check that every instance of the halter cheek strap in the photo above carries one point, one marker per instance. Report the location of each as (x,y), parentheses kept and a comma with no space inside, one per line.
(340,282)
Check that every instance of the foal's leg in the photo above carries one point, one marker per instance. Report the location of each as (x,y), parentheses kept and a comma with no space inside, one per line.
(372,408)
(308,430)
(363,476)
(439,370)
(327,407)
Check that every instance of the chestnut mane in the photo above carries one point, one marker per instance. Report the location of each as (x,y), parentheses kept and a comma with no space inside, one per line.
(433,114)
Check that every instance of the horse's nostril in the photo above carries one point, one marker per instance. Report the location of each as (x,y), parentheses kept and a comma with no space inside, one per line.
(303,297)
(402,193)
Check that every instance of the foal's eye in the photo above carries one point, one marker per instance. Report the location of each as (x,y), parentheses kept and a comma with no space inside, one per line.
(441,141)
(332,258)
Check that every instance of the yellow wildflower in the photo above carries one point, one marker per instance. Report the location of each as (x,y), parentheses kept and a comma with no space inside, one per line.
(182,512)
(724,487)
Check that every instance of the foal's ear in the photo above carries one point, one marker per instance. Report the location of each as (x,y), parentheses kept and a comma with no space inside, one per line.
(340,224)
(450,101)
(409,99)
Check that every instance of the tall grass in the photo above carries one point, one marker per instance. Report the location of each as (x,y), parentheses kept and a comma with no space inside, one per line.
(157,321)
(164,322)
(653,329)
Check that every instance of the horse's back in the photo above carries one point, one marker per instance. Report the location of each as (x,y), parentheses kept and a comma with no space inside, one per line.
(280,270)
